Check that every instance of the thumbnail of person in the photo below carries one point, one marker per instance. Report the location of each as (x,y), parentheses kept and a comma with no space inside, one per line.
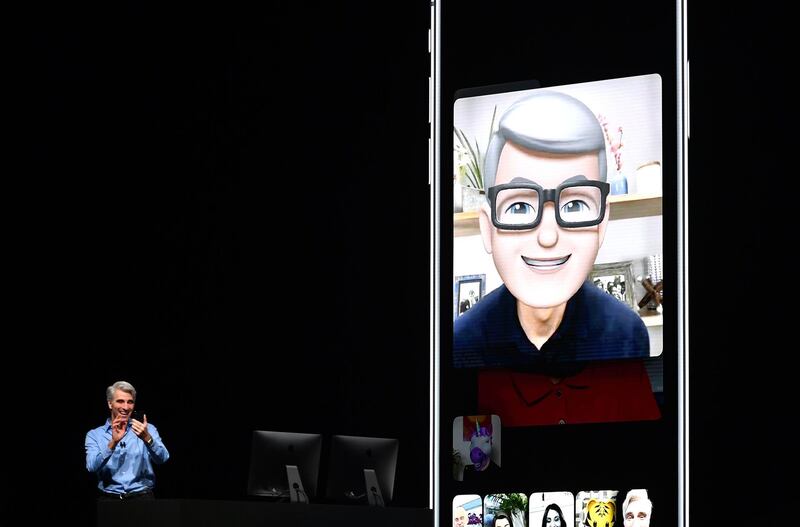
(505,510)
(637,509)
(476,443)
(467,510)
(551,509)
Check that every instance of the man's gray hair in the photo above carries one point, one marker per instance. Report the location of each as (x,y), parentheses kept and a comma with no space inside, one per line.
(547,121)
(120,385)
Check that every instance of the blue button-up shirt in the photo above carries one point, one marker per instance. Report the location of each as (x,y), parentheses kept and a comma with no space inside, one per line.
(127,468)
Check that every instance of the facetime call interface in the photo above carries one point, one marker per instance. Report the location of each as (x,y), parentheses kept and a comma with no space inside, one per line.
(557,250)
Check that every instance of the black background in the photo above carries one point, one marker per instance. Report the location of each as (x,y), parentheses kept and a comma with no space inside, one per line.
(228,208)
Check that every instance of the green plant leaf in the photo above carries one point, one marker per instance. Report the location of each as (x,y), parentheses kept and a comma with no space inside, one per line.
(471,177)
(491,126)
(512,504)
(475,154)
(476,161)
(474,176)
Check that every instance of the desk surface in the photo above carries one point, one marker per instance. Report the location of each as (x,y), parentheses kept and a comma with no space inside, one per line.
(202,513)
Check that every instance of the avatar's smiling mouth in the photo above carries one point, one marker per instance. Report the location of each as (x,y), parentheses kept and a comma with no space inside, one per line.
(545,263)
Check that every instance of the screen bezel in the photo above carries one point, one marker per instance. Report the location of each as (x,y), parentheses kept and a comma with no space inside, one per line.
(441,228)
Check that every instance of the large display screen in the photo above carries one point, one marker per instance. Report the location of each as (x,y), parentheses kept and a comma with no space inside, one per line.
(557,197)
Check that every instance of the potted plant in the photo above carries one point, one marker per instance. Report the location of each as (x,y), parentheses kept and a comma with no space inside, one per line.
(512,505)
(469,167)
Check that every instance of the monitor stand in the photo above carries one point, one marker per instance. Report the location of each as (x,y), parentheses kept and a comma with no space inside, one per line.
(296,491)
(374,496)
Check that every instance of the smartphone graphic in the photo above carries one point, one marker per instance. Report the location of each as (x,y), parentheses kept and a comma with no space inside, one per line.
(558,187)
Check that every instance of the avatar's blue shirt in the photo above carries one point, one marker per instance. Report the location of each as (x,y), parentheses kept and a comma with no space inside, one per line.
(127,468)
(595,326)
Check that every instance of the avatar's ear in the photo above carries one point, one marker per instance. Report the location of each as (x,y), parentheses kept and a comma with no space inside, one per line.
(109,404)
(487,229)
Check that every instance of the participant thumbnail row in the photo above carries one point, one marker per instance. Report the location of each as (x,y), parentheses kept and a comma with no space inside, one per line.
(600,508)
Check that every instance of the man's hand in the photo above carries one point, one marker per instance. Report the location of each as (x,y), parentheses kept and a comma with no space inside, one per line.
(118,429)
(140,429)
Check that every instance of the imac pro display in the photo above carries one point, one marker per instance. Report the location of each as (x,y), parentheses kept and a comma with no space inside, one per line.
(354,461)
(273,456)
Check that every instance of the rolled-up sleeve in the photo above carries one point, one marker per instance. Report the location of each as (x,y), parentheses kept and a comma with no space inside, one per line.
(158,452)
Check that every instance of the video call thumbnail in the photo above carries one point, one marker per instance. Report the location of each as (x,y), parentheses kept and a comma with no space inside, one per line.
(477,444)
(551,509)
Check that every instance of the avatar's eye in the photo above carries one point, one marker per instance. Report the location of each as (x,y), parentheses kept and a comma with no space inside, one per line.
(519,208)
(575,206)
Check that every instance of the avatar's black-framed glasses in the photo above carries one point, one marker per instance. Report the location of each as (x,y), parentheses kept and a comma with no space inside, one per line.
(519,206)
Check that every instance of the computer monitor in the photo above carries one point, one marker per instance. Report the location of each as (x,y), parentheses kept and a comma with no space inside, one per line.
(362,469)
(284,465)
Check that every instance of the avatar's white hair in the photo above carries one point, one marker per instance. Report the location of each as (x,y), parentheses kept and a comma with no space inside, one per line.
(546,121)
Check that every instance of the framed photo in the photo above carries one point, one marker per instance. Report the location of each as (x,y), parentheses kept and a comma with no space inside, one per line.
(615,279)
(467,291)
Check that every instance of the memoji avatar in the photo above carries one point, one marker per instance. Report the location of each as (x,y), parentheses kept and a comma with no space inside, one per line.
(543,223)
(543,340)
